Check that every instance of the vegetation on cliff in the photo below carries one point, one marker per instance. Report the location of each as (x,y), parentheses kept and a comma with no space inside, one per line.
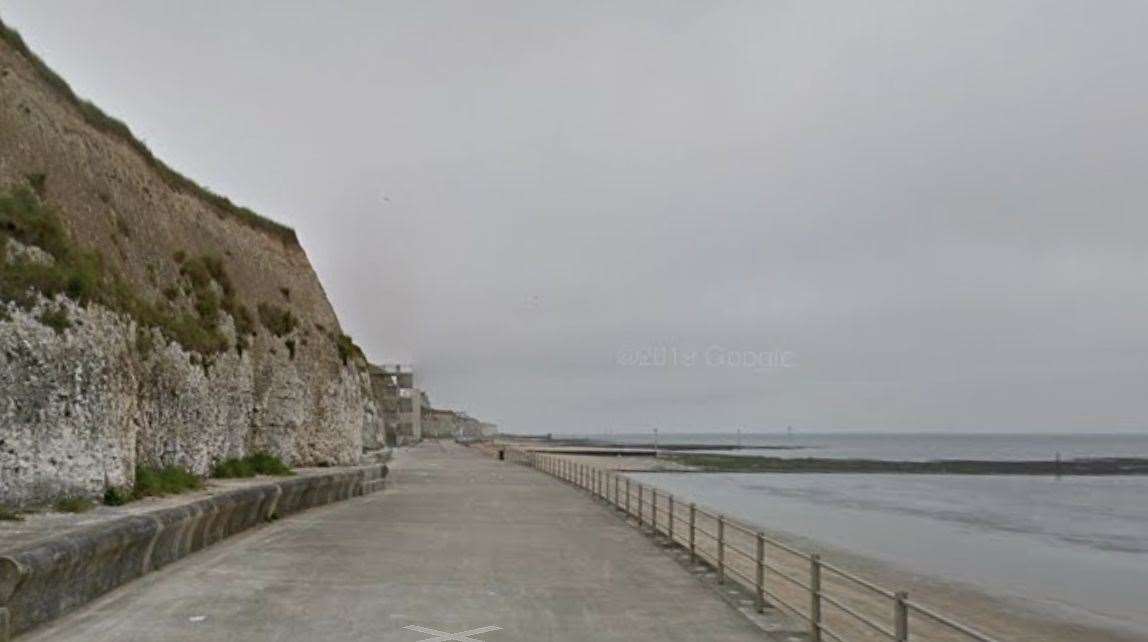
(254,464)
(112,126)
(189,315)
(154,482)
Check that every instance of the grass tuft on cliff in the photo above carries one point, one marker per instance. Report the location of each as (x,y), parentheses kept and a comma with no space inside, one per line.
(169,480)
(74,504)
(279,321)
(82,277)
(9,515)
(348,349)
(153,482)
(259,463)
(95,117)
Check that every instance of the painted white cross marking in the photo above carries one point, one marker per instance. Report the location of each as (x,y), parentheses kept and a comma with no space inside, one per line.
(443,636)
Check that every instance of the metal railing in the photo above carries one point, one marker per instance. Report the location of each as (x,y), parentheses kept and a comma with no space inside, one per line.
(834,603)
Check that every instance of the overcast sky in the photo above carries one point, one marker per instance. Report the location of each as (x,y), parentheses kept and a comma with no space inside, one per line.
(581,216)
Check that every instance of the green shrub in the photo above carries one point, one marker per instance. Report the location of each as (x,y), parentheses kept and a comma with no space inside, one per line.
(39,182)
(207,305)
(347,349)
(232,469)
(259,463)
(24,217)
(115,496)
(56,318)
(244,324)
(277,320)
(9,515)
(169,480)
(268,464)
(74,504)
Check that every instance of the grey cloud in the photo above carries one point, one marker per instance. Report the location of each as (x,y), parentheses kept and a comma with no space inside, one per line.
(937,207)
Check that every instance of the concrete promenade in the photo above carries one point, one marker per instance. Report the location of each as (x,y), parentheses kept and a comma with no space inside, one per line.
(457,542)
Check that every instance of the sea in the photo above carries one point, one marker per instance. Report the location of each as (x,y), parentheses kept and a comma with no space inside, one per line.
(904,446)
(1073,546)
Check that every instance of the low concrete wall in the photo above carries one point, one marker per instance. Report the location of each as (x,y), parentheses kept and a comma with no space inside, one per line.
(44,580)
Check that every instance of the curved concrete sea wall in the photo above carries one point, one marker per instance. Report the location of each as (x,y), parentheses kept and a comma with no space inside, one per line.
(45,579)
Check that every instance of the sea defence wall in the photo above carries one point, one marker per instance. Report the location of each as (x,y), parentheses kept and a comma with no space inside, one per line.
(42,580)
(144,320)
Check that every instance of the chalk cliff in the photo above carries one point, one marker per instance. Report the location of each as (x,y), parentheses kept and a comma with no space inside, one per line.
(145,320)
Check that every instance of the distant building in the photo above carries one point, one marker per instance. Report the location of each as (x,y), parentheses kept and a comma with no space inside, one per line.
(407,415)
(399,402)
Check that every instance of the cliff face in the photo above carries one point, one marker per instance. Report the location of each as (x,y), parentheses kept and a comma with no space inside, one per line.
(159,325)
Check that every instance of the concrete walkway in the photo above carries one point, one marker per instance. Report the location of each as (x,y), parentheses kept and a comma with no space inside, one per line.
(457,542)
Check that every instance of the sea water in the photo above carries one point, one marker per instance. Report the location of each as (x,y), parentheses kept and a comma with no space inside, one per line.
(1074,545)
(906,446)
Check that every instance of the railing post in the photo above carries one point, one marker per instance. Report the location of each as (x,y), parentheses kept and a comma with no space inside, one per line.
(617,499)
(759,583)
(670,524)
(640,510)
(693,524)
(815,597)
(654,509)
(628,513)
(901,617)
(721,549)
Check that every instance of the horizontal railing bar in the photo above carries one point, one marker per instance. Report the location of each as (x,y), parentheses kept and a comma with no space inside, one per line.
(776,599)
(937,617)
(730,570)
(699,529)
(702,511)
(792,579)
(830,632)
(739,527)
(863,619)
(785,547)
(706,557)
(857,580)
(748,556)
